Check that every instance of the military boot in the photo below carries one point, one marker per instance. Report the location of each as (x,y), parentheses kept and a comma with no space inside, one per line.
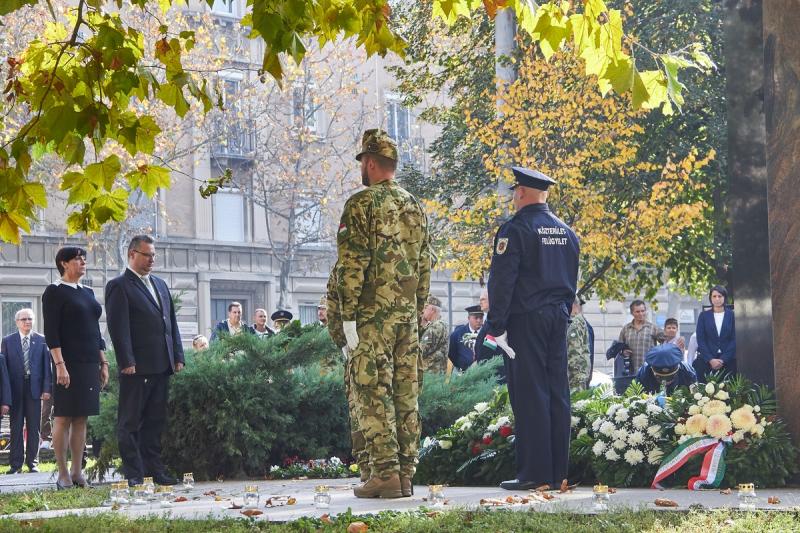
(364,473)
(406,486)
(380,488)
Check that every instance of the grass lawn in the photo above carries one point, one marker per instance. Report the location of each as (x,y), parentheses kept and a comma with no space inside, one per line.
(46,467)
(455,521)
(43,500)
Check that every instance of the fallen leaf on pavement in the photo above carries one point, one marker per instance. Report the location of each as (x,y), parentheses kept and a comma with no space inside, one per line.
(234,506)
(252,512)
(180,499)
(492,501)
(326,519)
(210,493)
(612,490)
(774,500)
(564,486)
(725,491)
(291,501)
(218,498)
(357,527)
(542,488)
(663,502)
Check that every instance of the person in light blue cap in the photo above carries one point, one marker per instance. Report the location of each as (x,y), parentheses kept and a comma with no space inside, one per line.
(664,366)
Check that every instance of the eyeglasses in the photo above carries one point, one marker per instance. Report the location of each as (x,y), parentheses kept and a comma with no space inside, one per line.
(25,319)
(151,256)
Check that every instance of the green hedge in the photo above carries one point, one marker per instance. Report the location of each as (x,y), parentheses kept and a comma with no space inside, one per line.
(248,403)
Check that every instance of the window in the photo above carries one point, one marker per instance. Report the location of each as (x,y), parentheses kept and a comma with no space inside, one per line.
(219,309)
(224,7)
(305,113)
(9,308)
(398,120)
(308,221)
(308,314)
(228,217)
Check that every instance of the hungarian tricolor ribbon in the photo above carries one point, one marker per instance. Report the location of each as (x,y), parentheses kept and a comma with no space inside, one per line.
(490,342)
(713,469)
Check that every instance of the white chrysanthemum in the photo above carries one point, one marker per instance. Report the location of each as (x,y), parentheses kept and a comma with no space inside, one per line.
(445,444)
(697,395)
(607,428)
(481,407)
(722,395)
(579,405)
(710,388)
(636,438)
(503,421)
(598,448)
(583,432)
(640,421)
(612,409)
(655,456)
(461,421)
(718,426)
(743,418)
(738,436)
(621,415)
(574,421)
(680,429)
(596,424)
(696,424)
(274,468)
(653,409)
(612,455)
(491,428)
(714,407)
(619,444)
(704,400)
(619,434)
(694,410)
(654,431)
(634,457)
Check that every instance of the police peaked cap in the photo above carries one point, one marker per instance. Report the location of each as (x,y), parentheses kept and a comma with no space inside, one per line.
(474,310)
(664,359)
(281,314)
(531,178)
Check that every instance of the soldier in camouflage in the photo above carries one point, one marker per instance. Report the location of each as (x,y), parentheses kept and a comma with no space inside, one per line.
(578,358)
(383,278)
(433,337)
(336,332)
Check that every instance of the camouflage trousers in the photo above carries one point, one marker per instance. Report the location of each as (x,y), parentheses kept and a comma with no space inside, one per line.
(385,386)
(356,435)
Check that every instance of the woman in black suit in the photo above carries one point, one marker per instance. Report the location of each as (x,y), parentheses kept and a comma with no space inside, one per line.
(716,337)
(71,328)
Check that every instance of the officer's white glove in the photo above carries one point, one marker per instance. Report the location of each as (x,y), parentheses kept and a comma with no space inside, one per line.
(502,342)
(350,334)
(345,352)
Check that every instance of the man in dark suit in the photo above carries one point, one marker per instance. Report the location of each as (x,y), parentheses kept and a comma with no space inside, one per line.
(462,340)
(27,359)
(147,345)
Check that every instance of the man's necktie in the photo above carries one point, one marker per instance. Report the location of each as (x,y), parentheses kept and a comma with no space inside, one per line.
(26,355)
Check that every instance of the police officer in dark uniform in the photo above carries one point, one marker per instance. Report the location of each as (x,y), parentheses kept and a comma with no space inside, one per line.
(461,350)
(532,284)
(664,365)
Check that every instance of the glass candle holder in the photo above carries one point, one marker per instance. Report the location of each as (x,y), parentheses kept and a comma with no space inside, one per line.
(149,487)
(747,497)
(122,493)
(164,495)
(139,495)
(251,496)
(188,481)
(435,495)
(322,498)
(600,498)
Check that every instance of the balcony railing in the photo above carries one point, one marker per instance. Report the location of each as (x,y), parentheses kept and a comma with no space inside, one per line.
(236,140)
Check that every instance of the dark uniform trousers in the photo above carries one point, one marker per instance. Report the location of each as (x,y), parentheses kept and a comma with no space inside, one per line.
(141,416)
(27,412)
(538,389)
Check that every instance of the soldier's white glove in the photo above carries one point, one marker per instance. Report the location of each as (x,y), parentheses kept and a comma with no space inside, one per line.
(350,334)
(502,342)
(345,352)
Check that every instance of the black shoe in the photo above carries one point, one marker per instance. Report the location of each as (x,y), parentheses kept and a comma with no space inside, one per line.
(14,471)
(164,479)
(515,484)
(133,481)
(33,469)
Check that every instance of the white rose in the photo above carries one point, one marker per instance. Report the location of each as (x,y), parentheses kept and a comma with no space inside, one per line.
(612,455)
(607,428)
(721,385)
(703,401)
(583,432)
(598,448)
(466,425)
(722,395)
(640,421)
(709,388)
(697,395)
(445,444)
(757,409)
(574,421)
(491,428)
(680,429)
(634,457)
(694,409)
(503,421)
(619,444)
(481,407)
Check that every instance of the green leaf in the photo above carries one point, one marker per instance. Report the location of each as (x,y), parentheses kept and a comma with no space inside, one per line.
(9,229)
(149,179)
(146,132)
(111,206)
(72,149)
(8,6)
(104,173)
(619,75)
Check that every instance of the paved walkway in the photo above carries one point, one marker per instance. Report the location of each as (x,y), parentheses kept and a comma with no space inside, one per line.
(215,499)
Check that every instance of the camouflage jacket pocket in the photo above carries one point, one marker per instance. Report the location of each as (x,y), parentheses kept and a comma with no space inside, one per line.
(363,369)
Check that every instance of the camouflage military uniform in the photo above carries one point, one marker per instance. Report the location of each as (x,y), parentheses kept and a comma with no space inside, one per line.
(337,335)
(578,353)
(433,343)
(383,274)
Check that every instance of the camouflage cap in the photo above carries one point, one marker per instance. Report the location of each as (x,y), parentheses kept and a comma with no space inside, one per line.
(323,302)
(434,301)
(379,142)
